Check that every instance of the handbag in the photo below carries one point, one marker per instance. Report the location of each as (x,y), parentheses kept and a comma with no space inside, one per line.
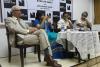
(58,51)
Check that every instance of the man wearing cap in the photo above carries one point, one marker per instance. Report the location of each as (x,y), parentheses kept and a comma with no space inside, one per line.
(29,35)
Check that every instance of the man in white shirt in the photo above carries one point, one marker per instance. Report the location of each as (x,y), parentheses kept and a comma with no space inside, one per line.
(64,22)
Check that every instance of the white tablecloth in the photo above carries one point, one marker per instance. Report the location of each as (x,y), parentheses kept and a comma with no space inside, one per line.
(86,42)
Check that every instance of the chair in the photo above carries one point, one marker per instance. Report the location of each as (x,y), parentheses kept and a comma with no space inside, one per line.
(22,48)
(0,65)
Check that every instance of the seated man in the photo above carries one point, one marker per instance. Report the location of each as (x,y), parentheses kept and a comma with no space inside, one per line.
(65,22)
(28,35)
(83,24)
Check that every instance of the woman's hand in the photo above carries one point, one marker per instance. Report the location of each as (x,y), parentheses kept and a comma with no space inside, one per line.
(43,19)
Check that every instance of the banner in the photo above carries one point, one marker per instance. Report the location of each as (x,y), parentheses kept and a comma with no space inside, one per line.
(54,8)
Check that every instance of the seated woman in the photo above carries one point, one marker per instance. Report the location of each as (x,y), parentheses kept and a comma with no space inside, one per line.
(83,24)
(44,22)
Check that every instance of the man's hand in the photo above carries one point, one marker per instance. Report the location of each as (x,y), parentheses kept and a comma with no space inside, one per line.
(32,30)
(80,24)
(38,26)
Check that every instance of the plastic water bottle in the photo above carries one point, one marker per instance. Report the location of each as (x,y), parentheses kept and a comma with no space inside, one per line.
(62,28)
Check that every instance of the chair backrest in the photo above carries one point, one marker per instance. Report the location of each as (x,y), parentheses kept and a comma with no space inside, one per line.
(9,32)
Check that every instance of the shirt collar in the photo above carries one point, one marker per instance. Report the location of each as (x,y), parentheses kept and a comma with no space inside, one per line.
(14,17)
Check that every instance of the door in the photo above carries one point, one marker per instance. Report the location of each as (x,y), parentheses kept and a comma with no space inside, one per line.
(97,11)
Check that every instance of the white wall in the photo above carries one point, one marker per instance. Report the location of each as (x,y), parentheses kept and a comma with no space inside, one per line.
(83,5)
(3,43)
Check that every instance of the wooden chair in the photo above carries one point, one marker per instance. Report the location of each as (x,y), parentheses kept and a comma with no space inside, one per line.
(22,48)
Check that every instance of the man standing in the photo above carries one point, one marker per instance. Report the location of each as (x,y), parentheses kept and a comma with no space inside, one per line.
(29,35)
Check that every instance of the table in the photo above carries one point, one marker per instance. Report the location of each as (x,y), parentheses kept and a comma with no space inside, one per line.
(86,42)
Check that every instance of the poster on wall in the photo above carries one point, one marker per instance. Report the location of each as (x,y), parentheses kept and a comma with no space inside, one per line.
(24,14)
(31,14)
(56,16)
(9,3)
(63,7)
(44,4)
(7,12)
(52,8)
(22,3)
(68,1)
(42,12)
(68,7)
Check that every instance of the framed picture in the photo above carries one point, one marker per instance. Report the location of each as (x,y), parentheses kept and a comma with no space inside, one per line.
(9,3)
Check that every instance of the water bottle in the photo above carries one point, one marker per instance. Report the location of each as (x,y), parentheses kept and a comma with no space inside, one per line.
(81,29)
(62,28)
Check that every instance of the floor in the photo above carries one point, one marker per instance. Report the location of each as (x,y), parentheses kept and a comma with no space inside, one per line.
(86,65)
(94,62)
(97,65)
(32,61)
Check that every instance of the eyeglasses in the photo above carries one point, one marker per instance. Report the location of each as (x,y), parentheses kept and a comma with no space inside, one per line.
(16,10)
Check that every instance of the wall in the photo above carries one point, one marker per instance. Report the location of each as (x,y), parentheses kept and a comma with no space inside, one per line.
(53,8)
(83,5)
(3,42)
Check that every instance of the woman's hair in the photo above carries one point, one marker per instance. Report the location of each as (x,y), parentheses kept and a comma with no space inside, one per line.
(38,15)
(85,14)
